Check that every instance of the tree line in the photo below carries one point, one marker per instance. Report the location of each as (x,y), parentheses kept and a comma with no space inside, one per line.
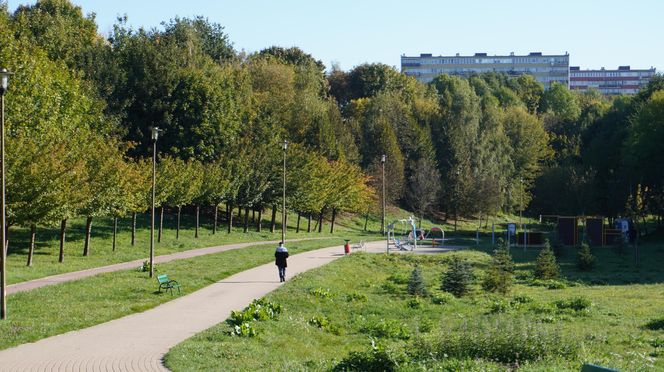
(80,108)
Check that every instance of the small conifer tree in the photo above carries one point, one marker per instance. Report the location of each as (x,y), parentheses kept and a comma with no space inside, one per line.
(500,276)
(456,280)
(416,284)
(586,260)
(546,266)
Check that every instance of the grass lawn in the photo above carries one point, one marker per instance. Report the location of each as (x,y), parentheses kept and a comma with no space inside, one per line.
(45,261)
(57,309)
(357,310)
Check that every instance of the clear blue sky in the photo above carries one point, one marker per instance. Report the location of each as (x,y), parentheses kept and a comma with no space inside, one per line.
(350,32)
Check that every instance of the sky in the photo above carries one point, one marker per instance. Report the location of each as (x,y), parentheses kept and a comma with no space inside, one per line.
(351,32)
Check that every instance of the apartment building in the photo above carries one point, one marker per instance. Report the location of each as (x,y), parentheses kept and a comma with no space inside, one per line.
(624,80)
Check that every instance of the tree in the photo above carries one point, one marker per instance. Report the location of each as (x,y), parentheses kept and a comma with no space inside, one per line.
(546,266)
(416,284)
(458,277)
(424,187)
(500,275)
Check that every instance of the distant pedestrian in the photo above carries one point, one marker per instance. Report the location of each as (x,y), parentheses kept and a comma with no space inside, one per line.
(280,255)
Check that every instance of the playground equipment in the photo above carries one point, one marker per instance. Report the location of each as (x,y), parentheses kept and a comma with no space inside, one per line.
(435,235)
(402,234)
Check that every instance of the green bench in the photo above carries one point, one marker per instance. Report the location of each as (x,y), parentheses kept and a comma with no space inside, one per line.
(167,284)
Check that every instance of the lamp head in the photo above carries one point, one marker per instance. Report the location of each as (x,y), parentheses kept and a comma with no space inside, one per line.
(285,145)
(383,159)
(155,133)
(4,80)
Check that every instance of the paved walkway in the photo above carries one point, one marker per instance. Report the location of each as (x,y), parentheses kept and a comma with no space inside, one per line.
(60,278)
(138,342)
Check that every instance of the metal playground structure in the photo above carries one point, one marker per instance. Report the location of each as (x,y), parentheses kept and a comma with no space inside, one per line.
(403,235)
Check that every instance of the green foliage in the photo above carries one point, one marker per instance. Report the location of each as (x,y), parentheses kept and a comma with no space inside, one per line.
(576,304)
(546,267)
(324,323)
(458,277)
(585,258)
(500,275)
(258,310)
(386,328)
(244,329)
(356,297)
(321,293)
(146,267)
(442,298)
(375,360)
(502,341)
(416,284)
(656,324)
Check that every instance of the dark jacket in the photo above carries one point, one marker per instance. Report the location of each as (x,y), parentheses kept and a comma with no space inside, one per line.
(280,257)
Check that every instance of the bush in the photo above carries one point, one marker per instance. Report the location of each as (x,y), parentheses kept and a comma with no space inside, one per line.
(442,298)
(546,266)
(586,260)
(375,360)
(576,304)
(414,303)
(356,296)
(416,285)
(499,306)
(324,323)
(321,293)
(257,310)
(502,341)
(656,324)
(500,276)
(244,330)
(386,329)
(456,280)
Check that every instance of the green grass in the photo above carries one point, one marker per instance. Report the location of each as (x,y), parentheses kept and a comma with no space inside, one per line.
(83,303)
(45,261)
(334,311)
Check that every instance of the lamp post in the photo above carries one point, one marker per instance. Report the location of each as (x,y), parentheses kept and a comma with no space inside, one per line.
(283,199)
(521,204)
(4,81)
(155,135)
(382,219)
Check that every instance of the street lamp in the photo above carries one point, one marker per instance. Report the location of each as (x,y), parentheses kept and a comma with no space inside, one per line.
(382,219)
(283,206)
(155,135)
(521,204)
(4,82)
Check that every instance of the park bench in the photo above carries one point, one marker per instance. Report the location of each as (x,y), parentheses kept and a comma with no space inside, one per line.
(359,245)
(167,284)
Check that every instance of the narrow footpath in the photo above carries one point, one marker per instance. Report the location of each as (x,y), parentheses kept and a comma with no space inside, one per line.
(139,341)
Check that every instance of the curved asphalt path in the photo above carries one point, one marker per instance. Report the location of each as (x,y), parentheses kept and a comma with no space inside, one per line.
(139,341)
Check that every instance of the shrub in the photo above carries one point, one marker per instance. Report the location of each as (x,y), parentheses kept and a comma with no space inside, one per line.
(414,303)
(500,276)
(356,296)
(456,280)
(386,329)
(416,285)
(521,299)
(244,330)
(398,278)
(586,260)
(258,310)
(501,341)
(576,304)
(656,324)
(375,360)
(499,306)
(321,293)
(442,298)
(324,323)
(546,266)
(146,267)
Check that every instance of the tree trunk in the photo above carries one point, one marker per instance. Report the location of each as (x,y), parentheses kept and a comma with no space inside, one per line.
(86,244)
(246,219)
(198,211)
(274,217)
(334,216)
(229,212)
(297,229)
(177,226)
(133,228)
(309,222)
(63,227)
(239,214)
(161,223)
(259,222)
(31,251)
(320,222)
(366,221)
(115,231)
(645,225)
(214,226)
(253,215)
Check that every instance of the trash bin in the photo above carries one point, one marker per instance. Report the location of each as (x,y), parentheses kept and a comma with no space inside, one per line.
(347,246)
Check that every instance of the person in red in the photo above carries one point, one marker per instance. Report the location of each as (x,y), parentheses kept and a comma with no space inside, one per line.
(280,256)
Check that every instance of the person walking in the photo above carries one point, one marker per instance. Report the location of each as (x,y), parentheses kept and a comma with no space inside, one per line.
(280,256)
